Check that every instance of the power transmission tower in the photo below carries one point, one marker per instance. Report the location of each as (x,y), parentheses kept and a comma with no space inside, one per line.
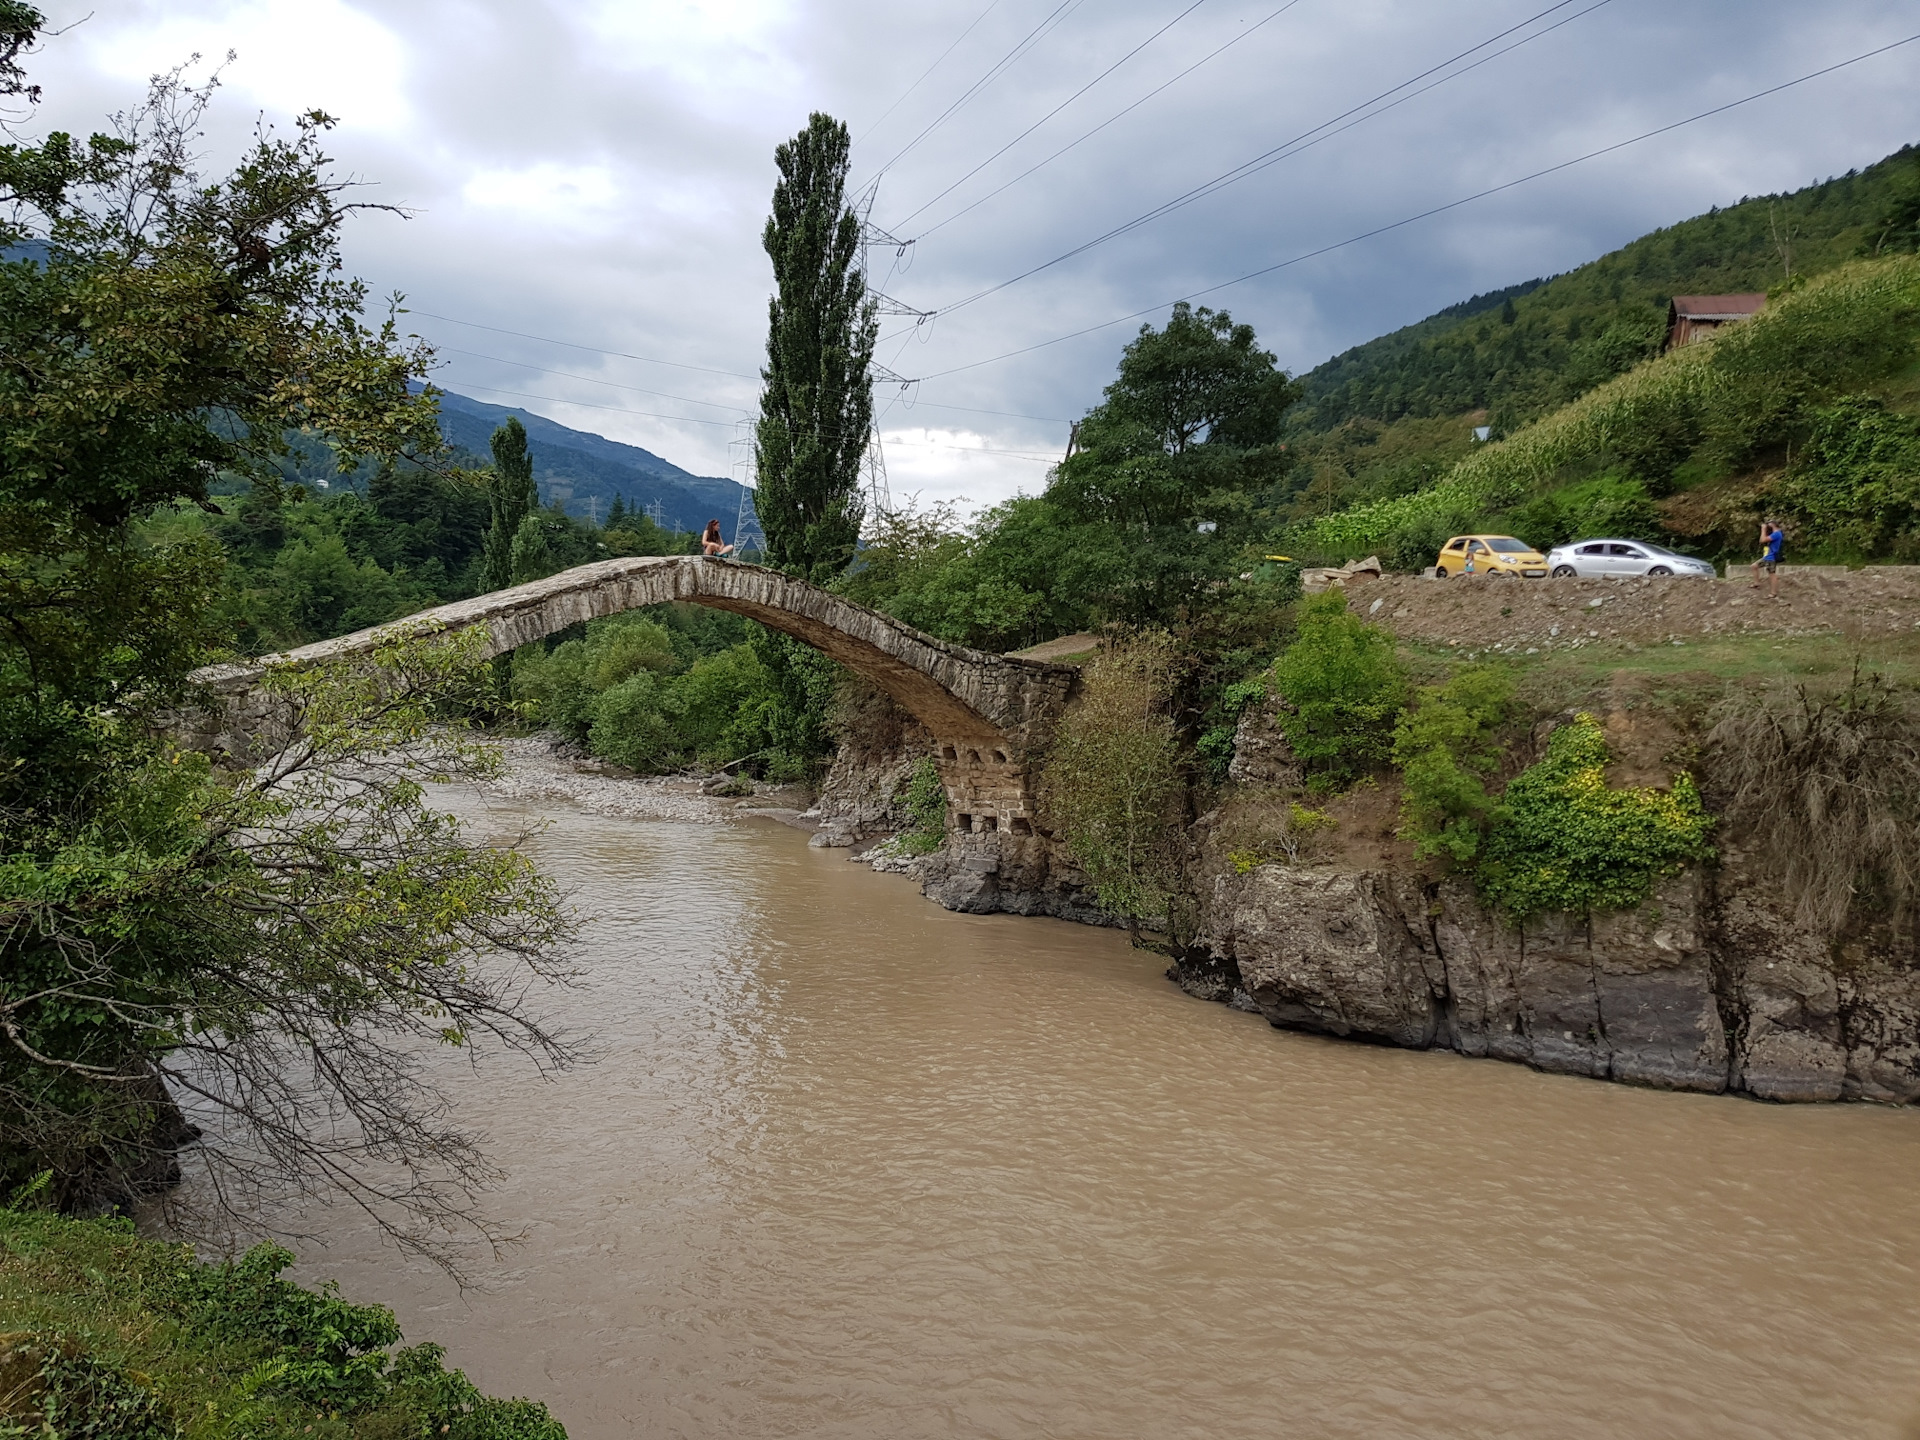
(747,531)
(657,512)
(872,237)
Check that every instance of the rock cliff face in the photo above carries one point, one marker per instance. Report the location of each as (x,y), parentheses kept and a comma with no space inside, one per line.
(1703,988)
(976,871)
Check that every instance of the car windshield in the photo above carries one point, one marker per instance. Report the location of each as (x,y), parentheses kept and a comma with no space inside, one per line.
(1508,546)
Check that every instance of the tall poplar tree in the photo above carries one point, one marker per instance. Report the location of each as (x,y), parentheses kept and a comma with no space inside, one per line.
(512,495)
(817,407)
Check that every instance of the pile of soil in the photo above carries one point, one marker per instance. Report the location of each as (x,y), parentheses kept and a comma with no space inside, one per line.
(1535,616)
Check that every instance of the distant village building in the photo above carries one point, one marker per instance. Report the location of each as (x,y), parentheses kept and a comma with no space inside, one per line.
(1691,317)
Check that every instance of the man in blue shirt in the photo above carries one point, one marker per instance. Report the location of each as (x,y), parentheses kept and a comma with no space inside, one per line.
(1772,538)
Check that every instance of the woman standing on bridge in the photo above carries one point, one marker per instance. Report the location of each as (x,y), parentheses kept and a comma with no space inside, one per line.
(711,544)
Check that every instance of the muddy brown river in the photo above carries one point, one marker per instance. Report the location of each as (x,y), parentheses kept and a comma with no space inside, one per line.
(849,1165)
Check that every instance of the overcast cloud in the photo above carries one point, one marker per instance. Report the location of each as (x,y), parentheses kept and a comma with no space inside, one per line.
(598,173)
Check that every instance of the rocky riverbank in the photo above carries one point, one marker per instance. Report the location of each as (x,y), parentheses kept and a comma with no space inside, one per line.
(1706,987)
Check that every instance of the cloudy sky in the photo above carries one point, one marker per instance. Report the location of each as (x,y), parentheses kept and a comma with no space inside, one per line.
(588,178)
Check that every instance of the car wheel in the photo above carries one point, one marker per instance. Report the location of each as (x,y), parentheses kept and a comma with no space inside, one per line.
(1439,572)
(1659,570)
(1499,574)
(1564,572)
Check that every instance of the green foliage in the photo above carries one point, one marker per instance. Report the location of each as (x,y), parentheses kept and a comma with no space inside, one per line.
(1445,746)
(1018,574)
(1759,385)
(160,924)
(183,926)
(78,1396)
(1111,785)
(1565,840)
(1856,483)
(1578,330)
(1268,839)
(817,407)
(1188,433)
(332,1351)
(134,1339)
(512,496)
(529,557)
(1343,688)
(926,802)
(662,689)
(1609,504)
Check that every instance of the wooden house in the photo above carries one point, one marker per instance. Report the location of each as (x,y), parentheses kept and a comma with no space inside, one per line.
(1691,317)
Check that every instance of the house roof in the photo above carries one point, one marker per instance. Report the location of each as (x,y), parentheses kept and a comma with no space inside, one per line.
(1717,307)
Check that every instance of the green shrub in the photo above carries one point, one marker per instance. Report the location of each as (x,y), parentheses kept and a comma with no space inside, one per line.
(628,728)
(926,802)
(1444,747)
(439,1401)
(1609,504)
(1564,840)
(1112,787)
(713,707)
(107,1336)
(624,645)
(334,1350)
(56,1389)
(1857,483)
(1343,687)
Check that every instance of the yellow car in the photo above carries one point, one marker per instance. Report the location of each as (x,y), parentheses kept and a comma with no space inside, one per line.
(1490,555)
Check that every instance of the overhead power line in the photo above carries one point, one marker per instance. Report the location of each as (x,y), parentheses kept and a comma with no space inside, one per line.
(928,71)
(1438,209)
(1117,115)
(1033,37)
(1056,110)
(1297,143)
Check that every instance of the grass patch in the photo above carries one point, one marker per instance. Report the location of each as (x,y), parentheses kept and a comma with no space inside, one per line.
(104,1334)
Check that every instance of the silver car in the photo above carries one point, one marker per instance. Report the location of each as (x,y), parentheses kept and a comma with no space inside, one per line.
(1588,558)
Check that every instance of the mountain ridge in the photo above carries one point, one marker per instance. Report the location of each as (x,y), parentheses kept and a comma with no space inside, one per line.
(583,472)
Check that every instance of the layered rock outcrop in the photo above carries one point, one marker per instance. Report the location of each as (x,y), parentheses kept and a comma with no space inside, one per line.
(1702,988)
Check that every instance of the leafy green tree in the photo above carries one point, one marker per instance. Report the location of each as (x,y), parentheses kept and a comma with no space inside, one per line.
(162,930)
(512,495)
(530,557)
(1446,746)
(817,405)
(1171,462)
(326,592)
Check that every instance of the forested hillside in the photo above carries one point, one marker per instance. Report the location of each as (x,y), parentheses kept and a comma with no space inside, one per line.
(1521,352)
(586,472)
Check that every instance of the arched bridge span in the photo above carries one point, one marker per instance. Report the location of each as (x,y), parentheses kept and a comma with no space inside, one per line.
(986,712)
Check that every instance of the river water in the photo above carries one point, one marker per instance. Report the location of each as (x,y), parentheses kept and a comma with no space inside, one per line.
(850,1165)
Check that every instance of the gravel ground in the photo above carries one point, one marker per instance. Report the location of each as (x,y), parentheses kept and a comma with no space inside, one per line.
(1539,615)
(535,771)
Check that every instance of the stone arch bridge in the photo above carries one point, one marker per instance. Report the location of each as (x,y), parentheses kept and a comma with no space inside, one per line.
(987,713)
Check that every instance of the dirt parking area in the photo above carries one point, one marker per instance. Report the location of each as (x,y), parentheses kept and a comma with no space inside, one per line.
(1539,616)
